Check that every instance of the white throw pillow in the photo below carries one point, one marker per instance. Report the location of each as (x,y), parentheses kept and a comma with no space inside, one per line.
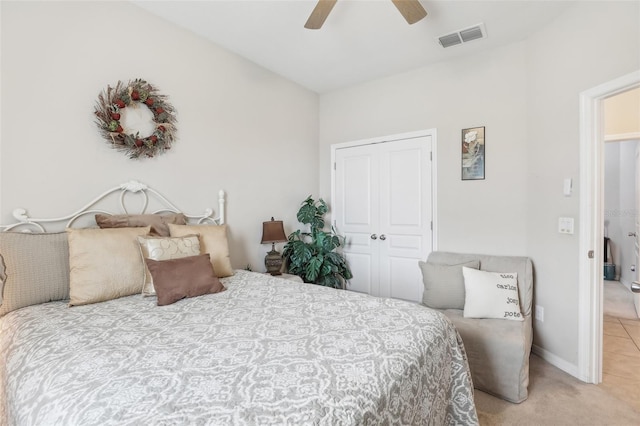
(491,295)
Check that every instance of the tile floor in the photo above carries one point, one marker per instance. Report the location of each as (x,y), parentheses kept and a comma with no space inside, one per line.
(621,359)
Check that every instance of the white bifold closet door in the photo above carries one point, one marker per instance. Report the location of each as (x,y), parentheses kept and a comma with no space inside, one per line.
(383,208)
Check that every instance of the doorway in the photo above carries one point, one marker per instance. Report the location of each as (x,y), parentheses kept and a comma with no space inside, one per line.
(591,254)
(620,213)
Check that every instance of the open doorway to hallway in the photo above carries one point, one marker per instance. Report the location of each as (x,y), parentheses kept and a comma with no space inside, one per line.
(590,318)
(620,214)
(621,325)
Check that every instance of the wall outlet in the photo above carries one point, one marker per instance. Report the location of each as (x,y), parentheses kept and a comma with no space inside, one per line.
(539,313)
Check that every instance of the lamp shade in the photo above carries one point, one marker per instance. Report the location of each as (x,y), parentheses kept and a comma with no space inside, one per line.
(273,232)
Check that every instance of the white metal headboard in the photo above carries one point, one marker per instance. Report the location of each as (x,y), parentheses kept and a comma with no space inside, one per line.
(27,223)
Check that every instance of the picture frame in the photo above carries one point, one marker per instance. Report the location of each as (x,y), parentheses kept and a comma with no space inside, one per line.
(473,153)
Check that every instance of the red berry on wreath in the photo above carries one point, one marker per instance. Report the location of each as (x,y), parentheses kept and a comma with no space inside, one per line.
(120,103)
(138,143)
(159,110)
(149,101)
(153,139)
(135,95)
(119,129)
(115,116)
(161,128)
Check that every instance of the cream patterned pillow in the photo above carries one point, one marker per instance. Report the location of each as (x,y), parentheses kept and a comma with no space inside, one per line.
(213,240)
(491,295)
(165,248)
(104,264)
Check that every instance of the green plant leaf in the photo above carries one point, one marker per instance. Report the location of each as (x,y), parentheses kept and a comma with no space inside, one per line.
(322,207)
(313,268)
(307,214)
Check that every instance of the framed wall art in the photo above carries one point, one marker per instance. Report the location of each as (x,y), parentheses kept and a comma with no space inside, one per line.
(473,153)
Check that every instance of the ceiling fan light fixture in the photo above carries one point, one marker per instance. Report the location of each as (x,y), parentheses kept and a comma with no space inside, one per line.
(411,10)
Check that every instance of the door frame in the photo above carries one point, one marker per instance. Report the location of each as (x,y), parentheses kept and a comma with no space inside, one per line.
(390,138)
(591,223)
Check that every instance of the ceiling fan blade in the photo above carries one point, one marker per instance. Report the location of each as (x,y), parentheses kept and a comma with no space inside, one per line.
(319,14)
(412,10)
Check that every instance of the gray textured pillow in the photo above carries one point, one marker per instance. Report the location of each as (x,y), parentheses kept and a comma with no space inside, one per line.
(34,269)
(444,284)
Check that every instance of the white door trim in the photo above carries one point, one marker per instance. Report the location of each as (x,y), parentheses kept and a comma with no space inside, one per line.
(389,138)
(591,224)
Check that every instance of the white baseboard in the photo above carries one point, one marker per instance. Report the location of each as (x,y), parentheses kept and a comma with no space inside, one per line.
(556,361)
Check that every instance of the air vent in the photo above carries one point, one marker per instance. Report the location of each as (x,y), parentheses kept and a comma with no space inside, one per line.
(450,40)
(463,36)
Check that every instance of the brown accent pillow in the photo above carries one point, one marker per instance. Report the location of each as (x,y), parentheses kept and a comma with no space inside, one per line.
(159,223)
(176,279)
(213,240)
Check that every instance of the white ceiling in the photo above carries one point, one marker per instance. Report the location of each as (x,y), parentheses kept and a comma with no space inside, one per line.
(361,40)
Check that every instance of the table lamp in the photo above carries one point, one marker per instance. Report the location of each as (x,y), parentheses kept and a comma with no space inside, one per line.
(273,232)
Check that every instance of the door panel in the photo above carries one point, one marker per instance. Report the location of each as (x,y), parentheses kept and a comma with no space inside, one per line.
(405,216)
(355,213)
(404,273)
(361,268)
(383,207)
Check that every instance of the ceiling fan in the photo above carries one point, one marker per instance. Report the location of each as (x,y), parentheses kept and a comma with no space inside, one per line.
(411,10)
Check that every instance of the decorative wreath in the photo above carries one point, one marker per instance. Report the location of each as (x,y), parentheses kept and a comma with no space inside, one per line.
(109,111)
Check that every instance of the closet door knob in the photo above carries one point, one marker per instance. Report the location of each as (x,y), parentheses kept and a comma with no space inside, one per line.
(383,237)
(374,237)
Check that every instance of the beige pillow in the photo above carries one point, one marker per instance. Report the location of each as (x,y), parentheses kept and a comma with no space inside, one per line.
(176,279)
(34,269)
(104,264)
(444,284)
(213,240)
(165,248)
(157,222)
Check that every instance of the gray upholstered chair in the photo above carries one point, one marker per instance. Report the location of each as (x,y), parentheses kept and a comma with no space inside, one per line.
(497,349)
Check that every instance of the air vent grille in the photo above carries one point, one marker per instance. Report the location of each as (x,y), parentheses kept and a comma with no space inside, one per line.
(450,40)
(463,36)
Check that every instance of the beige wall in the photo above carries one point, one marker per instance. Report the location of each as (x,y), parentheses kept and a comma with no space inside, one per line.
(622,114)
(241,128)
(484,90)
(527,96)
(560,65)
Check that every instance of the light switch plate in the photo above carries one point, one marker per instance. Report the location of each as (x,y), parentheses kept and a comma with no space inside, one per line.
(565,225)
(567,187)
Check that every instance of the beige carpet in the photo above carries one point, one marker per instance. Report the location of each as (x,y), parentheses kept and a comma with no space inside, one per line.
(556,398)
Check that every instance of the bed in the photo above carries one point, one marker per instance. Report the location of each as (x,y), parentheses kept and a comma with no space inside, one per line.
(263,351)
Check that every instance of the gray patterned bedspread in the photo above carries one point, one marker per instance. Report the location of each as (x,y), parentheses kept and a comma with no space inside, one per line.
(265,352)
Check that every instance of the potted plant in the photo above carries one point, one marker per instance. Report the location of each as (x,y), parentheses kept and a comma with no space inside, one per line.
(312,255)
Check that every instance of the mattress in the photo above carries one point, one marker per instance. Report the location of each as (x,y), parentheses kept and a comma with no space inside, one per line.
(265,351)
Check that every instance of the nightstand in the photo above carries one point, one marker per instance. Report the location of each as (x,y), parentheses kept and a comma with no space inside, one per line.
(288,277)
